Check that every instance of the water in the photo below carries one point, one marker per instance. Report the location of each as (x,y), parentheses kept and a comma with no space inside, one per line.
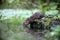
(7,13)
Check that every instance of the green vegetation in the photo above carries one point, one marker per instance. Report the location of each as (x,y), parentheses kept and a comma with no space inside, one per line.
(12,28)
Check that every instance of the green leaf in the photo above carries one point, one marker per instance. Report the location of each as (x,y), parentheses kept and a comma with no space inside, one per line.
(56,28)
(53,6)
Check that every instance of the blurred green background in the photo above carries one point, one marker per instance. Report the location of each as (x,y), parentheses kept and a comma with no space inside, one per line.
(14,12)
